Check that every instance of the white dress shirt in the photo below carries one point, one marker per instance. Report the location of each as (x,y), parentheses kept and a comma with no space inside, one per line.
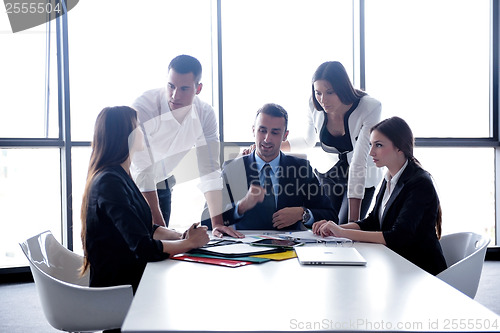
(362,171)
(187,149)
(391,183)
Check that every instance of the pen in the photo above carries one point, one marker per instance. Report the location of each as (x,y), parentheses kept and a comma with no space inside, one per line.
(195,225)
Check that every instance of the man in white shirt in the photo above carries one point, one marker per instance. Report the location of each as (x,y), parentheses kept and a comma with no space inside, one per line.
(175,121)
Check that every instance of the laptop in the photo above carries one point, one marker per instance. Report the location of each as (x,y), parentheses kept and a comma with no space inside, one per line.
(322,255)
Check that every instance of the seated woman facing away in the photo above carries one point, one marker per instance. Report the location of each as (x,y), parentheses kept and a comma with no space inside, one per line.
(118,234)
(407,214)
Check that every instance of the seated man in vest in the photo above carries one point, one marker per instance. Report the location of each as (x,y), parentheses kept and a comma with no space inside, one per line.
(268,190)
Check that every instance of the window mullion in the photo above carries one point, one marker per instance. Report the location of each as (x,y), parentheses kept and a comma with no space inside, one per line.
(64,130)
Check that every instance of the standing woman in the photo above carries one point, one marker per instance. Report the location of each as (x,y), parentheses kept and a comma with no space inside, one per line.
(340,118)
(118,234)
(407,213)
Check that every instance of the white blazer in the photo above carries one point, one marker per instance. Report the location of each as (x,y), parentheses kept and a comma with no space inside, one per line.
(362,171)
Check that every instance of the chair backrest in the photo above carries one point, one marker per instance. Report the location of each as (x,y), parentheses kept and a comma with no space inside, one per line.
(67,301)
(48,255)
(464,253)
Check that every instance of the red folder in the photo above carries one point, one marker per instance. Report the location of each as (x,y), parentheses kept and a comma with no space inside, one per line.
(212,261)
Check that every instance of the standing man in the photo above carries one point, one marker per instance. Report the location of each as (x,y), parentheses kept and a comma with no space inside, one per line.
(175,121)
(268,190)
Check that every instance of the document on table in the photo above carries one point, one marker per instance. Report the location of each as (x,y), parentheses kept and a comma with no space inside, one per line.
(236,250)
(278,256)
(248,238)
(308,236)
(212,260)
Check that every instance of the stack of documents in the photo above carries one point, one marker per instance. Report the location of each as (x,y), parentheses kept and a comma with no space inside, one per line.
(236,249)
(308,236)
(236,252)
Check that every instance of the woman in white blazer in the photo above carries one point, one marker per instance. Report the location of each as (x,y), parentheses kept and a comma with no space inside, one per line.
(340,118)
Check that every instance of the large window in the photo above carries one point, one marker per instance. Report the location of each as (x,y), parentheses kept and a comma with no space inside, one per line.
(30,199)
(466,190)
(269,56)
(431,67)
(30,195)
(427,61)
(28,108)
(121,48)
(115,58)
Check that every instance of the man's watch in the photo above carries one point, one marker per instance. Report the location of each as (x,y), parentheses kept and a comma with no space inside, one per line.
(305,215)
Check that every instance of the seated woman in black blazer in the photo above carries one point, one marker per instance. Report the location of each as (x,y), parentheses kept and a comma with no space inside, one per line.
(407,213)
(118,234)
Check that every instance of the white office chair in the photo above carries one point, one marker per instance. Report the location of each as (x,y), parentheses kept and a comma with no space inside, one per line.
(68,303)
(464,253)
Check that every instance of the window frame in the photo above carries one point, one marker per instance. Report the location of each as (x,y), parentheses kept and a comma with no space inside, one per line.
(65,144)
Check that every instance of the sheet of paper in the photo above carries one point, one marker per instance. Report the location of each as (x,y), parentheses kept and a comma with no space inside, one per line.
(237,249)
(252,259)
(278,256)
(308,235)
(249,238)
(213,261)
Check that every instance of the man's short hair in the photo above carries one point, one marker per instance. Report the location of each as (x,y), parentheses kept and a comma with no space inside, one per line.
(274,110)
(185,64)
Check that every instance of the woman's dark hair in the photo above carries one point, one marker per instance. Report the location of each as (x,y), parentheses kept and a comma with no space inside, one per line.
(110,147)
(401,136)
(335,73)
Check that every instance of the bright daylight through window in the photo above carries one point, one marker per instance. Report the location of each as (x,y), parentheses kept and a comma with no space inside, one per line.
(427,61)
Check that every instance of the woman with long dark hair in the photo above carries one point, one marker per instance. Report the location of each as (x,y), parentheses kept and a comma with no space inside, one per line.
(340,118)
(118,234)
(407,213)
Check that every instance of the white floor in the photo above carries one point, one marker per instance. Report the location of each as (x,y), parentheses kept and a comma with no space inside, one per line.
(20,309)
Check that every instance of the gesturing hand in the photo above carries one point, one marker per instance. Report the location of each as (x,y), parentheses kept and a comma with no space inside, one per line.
(287,216)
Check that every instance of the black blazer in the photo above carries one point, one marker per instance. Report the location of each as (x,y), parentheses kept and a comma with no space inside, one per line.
(409,219)
(299,187)
(119,235)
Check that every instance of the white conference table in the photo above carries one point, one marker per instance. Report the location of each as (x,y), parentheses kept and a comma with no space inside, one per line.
(388,294)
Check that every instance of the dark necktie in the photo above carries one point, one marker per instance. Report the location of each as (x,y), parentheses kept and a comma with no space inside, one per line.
(261,216)
(269,199)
